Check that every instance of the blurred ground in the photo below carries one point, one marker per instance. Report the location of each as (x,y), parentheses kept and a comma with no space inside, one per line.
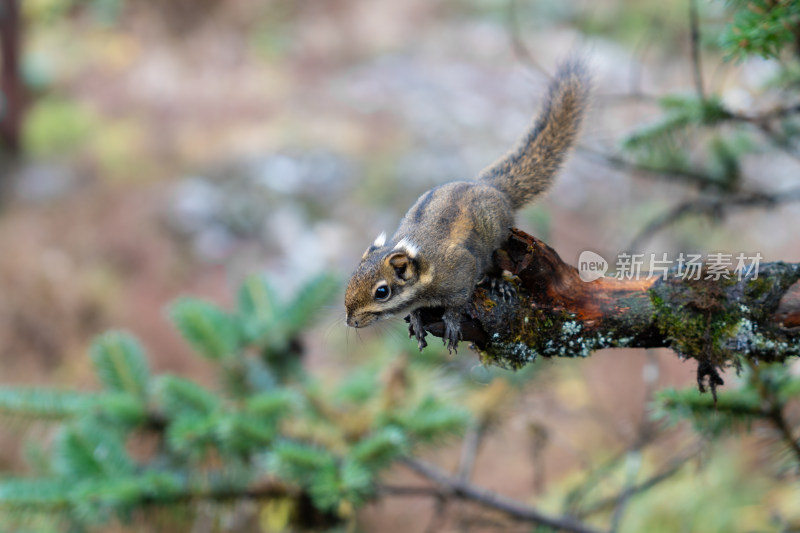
(175,146)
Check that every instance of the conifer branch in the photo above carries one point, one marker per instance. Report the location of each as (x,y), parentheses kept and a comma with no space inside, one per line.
(713,207)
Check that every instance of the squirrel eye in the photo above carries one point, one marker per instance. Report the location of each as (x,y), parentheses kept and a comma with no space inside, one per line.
(382,292)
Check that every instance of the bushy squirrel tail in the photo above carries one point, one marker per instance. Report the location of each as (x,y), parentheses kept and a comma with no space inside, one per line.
(529,168)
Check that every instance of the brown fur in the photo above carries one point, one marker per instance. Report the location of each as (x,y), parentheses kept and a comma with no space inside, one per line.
(445,242)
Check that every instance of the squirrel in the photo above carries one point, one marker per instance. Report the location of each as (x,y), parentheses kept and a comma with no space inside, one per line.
(445,243)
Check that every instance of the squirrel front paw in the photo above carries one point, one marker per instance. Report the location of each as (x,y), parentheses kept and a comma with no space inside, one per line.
(452,330)
(415,328)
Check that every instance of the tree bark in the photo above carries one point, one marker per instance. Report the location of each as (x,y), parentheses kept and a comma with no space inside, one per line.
(555,313)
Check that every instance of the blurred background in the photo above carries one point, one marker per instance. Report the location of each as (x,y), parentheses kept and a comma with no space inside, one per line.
(171,147)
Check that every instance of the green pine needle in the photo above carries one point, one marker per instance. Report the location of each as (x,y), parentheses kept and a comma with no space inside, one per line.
(35,494)
(760,28)
(244,434)
(193,435)
(298,462)
(350,482)
(309,301)
(121,410)
(258,305)
(120,363)
(433,419)
(359,387)
(380,448)
(89,450)
(44,404)
(272,405)
(680,113)
(734,409)
(208,329)
(178,397)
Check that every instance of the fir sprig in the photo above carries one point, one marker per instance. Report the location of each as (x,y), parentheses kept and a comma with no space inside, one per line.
(760,27)
(260,428)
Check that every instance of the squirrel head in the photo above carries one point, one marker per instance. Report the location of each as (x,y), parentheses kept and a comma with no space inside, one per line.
(385,283)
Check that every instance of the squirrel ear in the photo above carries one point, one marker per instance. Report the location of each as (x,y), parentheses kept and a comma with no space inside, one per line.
(404,267)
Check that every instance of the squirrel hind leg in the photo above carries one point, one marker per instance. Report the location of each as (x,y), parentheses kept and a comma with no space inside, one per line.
(452,329)
(416,329)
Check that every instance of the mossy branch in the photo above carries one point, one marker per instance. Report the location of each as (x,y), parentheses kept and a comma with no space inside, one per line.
(557,314)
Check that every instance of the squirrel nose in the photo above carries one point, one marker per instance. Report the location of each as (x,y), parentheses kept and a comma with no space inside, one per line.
(350,322)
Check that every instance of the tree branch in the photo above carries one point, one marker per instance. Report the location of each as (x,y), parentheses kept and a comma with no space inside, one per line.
(714,207)
(694,41)
(670,470)
(521,51)
(697,179)
(469,449)
(460,489)
(558,314)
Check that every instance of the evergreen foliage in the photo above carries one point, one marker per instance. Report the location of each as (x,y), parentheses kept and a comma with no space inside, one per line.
(764,396)
(269,430)
(211,331)
(761,27)
(704,142)
(698,137)
(120,364)
(45,404)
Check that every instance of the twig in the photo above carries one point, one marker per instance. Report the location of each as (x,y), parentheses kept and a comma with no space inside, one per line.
(766,128)
(469,451)
(411,492)
(622,502)
(772,114)
(652,369)
(637,58)
(602,471)
(438,518)
(702,181)
(609,99)
(593,478)
(539,440)
(694,30)
(646,434)
(512,508)
(518,44)
(779,421)
(635,92)
(673,468)
(772,411)
(713,207)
